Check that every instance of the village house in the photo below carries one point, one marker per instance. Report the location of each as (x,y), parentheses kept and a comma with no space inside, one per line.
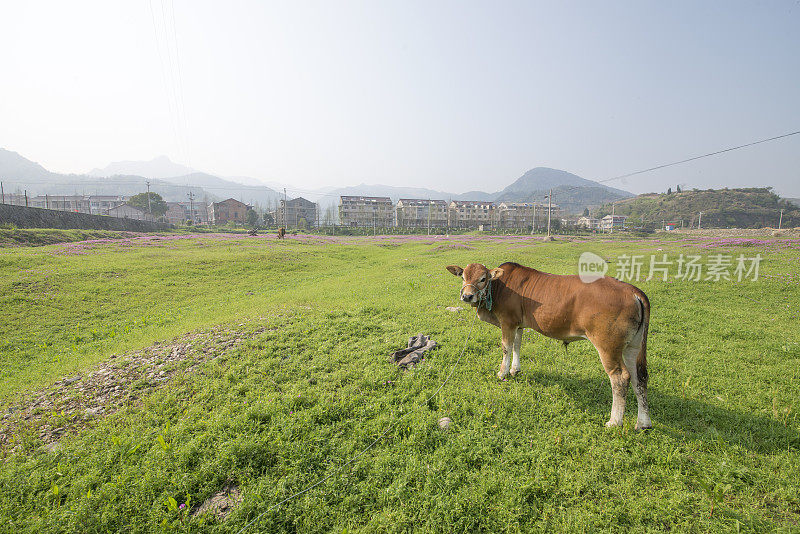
(180,212)
(366,211)
(176,213)
(588,222)
(419,213)
(296,213)
(609,223)
(230,210)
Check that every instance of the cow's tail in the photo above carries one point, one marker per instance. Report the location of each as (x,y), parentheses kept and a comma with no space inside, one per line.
(644,324)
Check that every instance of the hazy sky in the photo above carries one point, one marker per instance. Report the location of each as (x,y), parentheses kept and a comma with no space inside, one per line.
(449,95)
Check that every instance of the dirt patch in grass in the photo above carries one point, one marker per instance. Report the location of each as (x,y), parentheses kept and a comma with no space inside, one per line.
(221,503)
(72,404)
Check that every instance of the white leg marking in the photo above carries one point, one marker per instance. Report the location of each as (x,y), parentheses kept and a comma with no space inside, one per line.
(515,368)
(617,403)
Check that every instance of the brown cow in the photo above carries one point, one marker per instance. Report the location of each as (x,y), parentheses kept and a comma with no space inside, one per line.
(612,315)
(281,232)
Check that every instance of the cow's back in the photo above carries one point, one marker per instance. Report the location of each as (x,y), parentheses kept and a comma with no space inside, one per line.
(563,306)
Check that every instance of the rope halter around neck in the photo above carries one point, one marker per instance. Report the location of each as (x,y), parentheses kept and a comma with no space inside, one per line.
(484,295)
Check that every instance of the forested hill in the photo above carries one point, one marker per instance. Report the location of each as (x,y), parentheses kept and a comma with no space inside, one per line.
(722,208)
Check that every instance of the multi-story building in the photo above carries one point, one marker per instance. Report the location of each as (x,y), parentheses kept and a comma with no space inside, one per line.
(74,203)
(609,223)
(94,204)
(366,211)
(17,199)
(523,215)
(470,214)
(418,213)
(230,210)
(588,223)
(296,212)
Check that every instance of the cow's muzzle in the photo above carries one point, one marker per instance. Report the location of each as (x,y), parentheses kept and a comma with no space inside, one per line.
(478,296)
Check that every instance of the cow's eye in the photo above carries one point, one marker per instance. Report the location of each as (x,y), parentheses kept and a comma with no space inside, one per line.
(483,278)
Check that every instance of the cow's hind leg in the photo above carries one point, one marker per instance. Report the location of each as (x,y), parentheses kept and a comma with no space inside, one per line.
(620,378)
(639,386)
(515,367)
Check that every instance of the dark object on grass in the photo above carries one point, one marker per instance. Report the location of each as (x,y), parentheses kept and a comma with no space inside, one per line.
(415,351)
(253,231)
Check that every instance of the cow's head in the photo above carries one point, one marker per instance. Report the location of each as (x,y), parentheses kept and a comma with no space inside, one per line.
(476,281)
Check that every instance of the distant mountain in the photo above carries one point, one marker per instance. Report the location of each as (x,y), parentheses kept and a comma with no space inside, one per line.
(19,174)
(540,179)
(160,167)
(570,192)
(14,167)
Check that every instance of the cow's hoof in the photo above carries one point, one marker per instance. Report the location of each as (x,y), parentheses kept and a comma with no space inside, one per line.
(515,372)
(645,427)
(611,423)
(502,374)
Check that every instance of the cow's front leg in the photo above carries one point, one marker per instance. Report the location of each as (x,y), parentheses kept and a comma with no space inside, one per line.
(508,342)
(515,368)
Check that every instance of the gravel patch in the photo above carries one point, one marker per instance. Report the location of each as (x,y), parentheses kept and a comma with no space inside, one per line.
(74,403)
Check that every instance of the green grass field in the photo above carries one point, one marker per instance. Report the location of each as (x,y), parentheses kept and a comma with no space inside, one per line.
(308,385)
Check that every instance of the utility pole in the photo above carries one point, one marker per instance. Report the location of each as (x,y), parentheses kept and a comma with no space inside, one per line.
(2,193)
(699,220)
(26,200)
(549,207)
(780,221)
(149,209)
(283,209)
(533,231)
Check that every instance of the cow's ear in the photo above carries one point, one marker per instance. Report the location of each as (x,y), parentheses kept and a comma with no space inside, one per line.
(455,269)
(496,273)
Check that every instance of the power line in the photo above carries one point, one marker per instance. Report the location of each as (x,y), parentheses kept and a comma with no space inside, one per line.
(164,75)
(180,83)
(174,67)
(635,173)
(171,90)
(698,157)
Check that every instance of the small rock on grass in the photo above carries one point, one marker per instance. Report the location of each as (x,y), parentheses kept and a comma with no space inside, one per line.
(444,423)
